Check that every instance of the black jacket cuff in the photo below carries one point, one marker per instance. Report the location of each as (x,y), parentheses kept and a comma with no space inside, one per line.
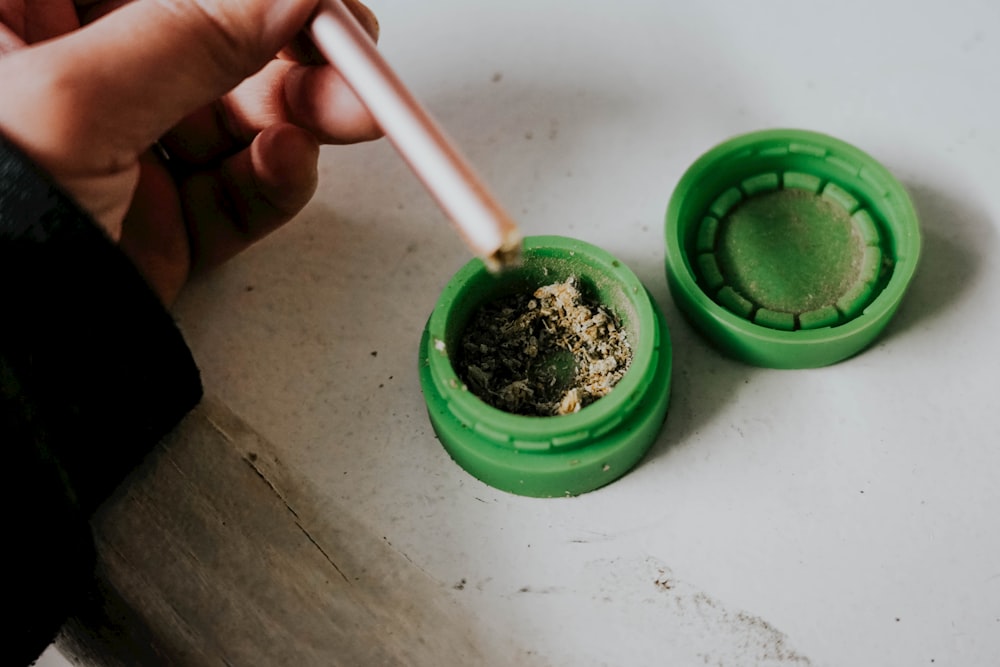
(93,372)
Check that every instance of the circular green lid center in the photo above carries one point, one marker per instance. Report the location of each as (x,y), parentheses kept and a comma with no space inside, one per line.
(803,256)
(790,251)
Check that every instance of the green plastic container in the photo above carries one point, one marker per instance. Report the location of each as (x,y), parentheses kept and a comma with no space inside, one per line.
(789,249)
(560,455)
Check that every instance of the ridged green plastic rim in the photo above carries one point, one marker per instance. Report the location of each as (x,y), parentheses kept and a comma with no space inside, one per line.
(713,285)
(560,455)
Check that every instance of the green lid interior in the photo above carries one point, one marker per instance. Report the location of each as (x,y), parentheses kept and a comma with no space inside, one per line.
(789,248)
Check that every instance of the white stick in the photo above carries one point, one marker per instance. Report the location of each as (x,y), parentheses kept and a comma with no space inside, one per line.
(486,228)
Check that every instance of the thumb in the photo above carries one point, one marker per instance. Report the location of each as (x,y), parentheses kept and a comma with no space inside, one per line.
(94,99)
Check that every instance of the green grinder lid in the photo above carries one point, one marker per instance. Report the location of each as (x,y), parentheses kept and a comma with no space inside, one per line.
(559,455)
(789,248)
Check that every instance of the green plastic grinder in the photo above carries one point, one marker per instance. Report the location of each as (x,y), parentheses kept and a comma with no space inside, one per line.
(558,455)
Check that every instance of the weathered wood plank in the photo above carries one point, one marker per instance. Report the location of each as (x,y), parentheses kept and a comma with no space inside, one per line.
(214,553)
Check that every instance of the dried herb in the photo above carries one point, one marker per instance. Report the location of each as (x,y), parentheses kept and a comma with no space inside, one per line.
(549,353)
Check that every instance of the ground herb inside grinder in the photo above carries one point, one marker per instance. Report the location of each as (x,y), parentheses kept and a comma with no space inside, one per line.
(549,353)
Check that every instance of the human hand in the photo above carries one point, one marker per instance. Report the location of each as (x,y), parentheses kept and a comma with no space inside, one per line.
(90,86)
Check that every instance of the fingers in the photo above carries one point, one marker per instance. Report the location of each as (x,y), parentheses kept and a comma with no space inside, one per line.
(288,90)
(218,212)
(153,235)
(250,195)
(320,100)
(105,93)
(314,98)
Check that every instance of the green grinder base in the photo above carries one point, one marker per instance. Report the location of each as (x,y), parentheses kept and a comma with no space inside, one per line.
(553,455)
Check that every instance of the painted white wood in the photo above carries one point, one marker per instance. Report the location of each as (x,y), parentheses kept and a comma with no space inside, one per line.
(839,516)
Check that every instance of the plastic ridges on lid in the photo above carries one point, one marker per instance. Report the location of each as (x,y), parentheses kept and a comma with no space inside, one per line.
(789,248)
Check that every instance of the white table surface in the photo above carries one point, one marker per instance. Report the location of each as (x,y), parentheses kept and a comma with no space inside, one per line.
(840,516)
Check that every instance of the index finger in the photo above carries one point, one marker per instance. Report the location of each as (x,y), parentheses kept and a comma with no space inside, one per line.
(316,99)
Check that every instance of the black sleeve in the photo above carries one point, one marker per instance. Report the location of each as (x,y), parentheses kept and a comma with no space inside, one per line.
(93,372)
